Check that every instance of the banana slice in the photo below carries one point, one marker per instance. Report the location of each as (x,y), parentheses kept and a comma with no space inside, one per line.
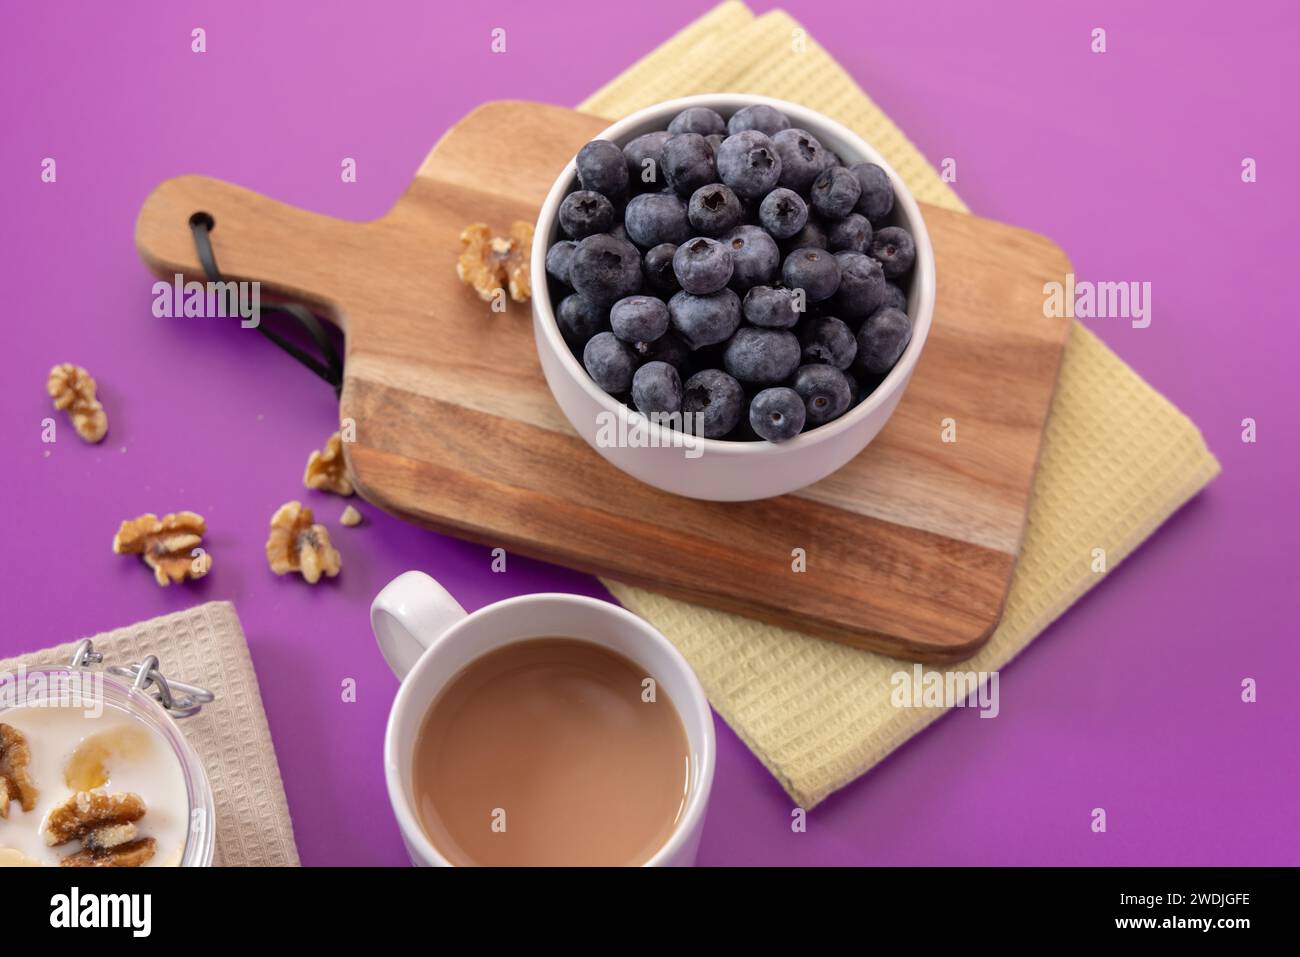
(12,858)
(90,766)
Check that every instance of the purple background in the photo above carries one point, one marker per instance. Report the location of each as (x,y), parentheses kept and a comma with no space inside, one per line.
(1130,160)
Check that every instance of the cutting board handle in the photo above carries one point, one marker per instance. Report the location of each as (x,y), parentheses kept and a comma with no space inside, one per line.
(294,254)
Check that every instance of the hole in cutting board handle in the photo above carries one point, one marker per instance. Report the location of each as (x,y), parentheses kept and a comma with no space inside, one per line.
(330,367)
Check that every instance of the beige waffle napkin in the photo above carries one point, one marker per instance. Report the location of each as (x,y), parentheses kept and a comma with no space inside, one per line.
(205,646)
(1118,459)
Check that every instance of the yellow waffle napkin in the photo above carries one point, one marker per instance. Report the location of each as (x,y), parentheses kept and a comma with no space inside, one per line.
(1117,460)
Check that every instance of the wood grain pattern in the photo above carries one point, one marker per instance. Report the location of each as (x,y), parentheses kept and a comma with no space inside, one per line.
(910,547)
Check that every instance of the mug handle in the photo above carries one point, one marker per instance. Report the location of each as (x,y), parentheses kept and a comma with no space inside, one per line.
(408,616)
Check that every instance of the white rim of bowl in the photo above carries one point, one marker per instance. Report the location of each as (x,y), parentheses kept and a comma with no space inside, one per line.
(812,121)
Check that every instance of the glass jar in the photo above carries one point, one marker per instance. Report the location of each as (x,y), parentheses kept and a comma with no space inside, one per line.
(78,687)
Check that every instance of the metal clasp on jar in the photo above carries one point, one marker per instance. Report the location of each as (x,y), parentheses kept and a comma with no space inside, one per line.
(178,698)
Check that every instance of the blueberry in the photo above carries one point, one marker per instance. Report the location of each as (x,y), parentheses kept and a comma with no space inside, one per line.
(605,269)
(667,348)
(619,231)
(876,199)
(603,168)
(772,308)
(754,257)
(862,286)
(656,387)
(610,363)
(882,339)
(761,356)
(579,319)
(894,248)
(835,192)
(715,401)
(658,268)
(830,158)
(714,210)
(895,297)
(777,414)
(852,233)
(801,158)
(639,318)
(826,339)
(855,390)
(654,218)
(749,163)
(702,266)
(761,117)
(698,119)
(584,213)
(812,234)
(558,259)
(825,392)
(688,163)
(644,156)
(715,140)
(783,213)
(815,271)
(704,320)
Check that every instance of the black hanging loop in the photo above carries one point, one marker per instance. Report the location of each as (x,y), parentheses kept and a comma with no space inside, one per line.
(331,368)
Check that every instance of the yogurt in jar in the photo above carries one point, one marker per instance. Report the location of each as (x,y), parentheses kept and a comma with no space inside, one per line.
(72,750)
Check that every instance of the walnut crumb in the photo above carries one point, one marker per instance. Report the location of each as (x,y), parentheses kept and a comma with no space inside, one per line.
(73,390)
(167,545)
(489,263)
(350,517)
(297,544)
(15,780)
(326,469)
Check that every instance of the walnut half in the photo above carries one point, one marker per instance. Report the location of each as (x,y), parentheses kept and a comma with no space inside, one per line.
(89,812)
(73,391)
(106,826)
(15,780)
(166,544)
(326,469)
(297,544)
(489,263)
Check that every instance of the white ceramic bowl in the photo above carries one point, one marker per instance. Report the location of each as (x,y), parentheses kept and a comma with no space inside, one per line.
(716,469)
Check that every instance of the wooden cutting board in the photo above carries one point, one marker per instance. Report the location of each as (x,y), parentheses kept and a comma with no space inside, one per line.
(909,548)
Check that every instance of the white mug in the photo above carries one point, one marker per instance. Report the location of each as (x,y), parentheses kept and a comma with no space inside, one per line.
(427,638)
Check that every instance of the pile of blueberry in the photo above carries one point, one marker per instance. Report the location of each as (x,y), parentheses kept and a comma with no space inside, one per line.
(735,269)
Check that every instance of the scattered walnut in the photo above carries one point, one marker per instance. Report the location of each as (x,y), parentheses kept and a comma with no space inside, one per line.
(166,545)
(298,545)
(350,517)
(132,854)
(15,780)
(73,390)
(489,263)
(326,469)
(88,811)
